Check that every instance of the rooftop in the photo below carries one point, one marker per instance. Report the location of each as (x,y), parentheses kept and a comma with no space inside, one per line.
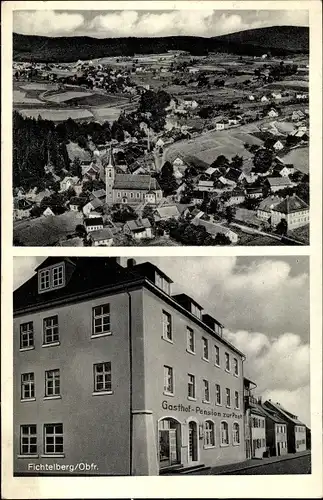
(136,182)
(291,204)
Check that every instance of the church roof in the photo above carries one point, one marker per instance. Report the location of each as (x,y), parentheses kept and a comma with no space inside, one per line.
(139,182)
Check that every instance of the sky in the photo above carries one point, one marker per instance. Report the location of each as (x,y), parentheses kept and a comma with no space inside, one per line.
(263,303)
(140,23)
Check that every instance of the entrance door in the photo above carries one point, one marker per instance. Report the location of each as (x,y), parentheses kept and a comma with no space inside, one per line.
(168,442)
(278,449)
(192,441)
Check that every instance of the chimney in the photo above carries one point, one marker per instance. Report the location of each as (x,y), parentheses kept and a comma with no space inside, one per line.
(131,263)
(259,400)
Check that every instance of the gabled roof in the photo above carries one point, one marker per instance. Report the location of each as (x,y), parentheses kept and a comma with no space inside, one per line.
(283,413)
(269,202)
(102,234)
(138,225)
(291,204)
(167,212)
(99,193)
(135,182)
(93,221)
(279,181)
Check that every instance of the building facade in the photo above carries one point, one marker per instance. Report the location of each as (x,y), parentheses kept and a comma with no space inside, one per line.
(296,430)
(114,372)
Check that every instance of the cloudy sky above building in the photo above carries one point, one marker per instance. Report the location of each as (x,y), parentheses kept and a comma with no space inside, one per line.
(263,303)
(140,23)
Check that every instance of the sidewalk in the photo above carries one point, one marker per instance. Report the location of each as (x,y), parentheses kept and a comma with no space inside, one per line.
(250,464)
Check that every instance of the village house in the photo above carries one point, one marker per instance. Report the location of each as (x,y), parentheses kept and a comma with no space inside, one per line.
(138,229)
(265,207)
(278,146)
(213,229)
(287,170)
(235,198)
(294,210)
(93,224)
(297,115)
(48,212)
(277,183)
(75,204)
(21,209)
(264,99)
(272,113)
(254,192)
(205,186)
(166,212)
(91,205)
(101,237)
(296,430)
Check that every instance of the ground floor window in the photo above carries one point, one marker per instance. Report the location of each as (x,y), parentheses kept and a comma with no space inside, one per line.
(53,438)
(28,439)
(236,433)
(209,434)
(169,437)
(224,433)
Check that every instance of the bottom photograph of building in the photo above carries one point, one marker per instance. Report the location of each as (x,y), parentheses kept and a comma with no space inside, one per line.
(161,365)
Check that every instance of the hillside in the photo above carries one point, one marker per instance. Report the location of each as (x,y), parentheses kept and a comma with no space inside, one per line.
(294,38)
(250,42)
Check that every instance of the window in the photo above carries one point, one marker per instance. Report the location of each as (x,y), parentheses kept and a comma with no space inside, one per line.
(28,386)
(138,195)
(101,320)
(44,279)
(236,366)
(168,380)
(28,439)
(205,347)
(102,377)
(228,397)
(217,355)
(217,394)
(209,434)
(236,399)
(162,283)
(167,327)
(190,340)
(191,386)
(53,277)
(224,433)
(195,310)
(51,334)
(206,391)
(236,433)
(227,362)
(52,383)
(53,438)
(26,335)
(118,193)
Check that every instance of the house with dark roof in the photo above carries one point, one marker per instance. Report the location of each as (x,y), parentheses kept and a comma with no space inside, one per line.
(265,207)
(138,229)
(294,210)
(93,224)
(21,208)
(296,430)
(277,183)
(167,212)
(101,237)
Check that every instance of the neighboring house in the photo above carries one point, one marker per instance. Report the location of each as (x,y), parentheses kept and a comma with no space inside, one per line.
(276,96)
(101,237)
(205,186)
(297,115)
(294,210)
(213,229)
(287,170)
(264,99)
(251,98)
(296,430)
(254,192)
(99,194)
(48,212)
(165,213)
(180,191)
(197,197)
(258,432)
(93,224)
(91,205)
(67,183)
(75,204)
(276,433)
(272,113)
(21,209)
(278,146)
(265,207)
(138,229)
(277,183)
(237,196)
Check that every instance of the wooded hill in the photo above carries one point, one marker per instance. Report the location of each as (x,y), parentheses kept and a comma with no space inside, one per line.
(279,40)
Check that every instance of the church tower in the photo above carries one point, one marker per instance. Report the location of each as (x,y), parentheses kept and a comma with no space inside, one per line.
(109,177)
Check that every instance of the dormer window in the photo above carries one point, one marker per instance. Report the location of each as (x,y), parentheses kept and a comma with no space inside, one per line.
(162,283)
(195,310)
(51,278)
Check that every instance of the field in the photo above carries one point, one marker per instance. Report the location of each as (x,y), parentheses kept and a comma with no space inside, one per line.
(299,157)
(214,143)
(290,84)
(58,103)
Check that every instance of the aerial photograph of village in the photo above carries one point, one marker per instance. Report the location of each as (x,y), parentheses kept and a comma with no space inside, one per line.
(172,139)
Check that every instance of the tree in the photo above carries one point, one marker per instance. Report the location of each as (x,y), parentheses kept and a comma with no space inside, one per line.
(263,160)
(167,179)
(76,168)
(36,211)
(237,162)
(229,214)
(221,239)
(282,227)
(80,231)
(220,161)
(148,213)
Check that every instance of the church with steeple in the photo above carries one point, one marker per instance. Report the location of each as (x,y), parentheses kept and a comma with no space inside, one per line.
(129,189)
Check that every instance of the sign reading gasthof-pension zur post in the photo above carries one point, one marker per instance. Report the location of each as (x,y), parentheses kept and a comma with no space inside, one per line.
(199,411)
